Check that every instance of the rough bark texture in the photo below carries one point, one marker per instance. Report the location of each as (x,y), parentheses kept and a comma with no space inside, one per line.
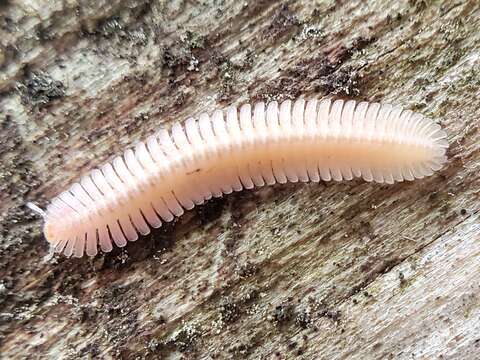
(327,271)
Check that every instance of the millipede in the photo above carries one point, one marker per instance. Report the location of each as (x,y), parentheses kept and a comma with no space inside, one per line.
(235,149)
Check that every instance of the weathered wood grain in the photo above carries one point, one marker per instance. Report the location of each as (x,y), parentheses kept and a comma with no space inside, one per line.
(314,271)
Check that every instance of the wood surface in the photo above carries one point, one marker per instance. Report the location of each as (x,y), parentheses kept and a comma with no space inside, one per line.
(347,270)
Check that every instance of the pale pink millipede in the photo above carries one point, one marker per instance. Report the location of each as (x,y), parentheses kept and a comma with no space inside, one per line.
(234,149)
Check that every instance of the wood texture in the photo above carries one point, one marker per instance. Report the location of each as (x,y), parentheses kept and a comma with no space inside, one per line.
(316,271)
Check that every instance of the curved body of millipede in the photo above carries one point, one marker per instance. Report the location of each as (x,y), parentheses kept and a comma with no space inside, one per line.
(236,149)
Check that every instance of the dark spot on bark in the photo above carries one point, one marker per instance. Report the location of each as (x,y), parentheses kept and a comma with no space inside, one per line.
(292,345)
(331,314)
(433,196)
(116,259)
(284,20)
(138,121)
(173,57)
(283,312)
(227,74)
(6,122)
(358,44)
(194,40)
(9,53)
(315,75)
(87,314)
(247,270)
(40,89)
(43,33)
(117,313)
(211,210)
(419,5)
(185,340)
(229,311)
(342,82)
(161,320)
(91,350)
(160,239)
(303,319)
(243,348)
(186,53)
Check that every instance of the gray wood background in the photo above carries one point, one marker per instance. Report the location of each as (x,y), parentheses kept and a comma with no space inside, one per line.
(317,271)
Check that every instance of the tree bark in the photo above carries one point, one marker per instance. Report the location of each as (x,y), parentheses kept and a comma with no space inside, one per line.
(319,271)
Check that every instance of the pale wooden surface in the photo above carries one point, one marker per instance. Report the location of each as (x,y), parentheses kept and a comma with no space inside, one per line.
(328,271)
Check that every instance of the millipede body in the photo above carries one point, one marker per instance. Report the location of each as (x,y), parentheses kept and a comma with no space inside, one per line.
(235,149)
